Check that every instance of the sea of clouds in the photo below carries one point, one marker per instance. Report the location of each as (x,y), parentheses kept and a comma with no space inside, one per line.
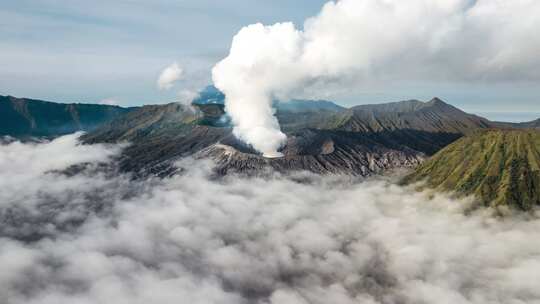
(90,235)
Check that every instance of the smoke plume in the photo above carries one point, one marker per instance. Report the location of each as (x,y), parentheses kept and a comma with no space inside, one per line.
(358,41)
(92,237)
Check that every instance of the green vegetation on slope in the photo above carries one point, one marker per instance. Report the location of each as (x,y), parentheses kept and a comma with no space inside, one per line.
(499,167)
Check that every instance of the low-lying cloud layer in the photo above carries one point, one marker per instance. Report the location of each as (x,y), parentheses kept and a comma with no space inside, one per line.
(101,238)
(354,42)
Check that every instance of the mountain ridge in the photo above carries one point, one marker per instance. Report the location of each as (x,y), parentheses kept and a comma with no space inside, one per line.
(322,137)
(312,145)
(23,117)
(432,116)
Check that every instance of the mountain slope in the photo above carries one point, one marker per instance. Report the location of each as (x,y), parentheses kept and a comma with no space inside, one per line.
(432,116)
(144,122)
(160,135)
(318,151)
(499,167)
(27,117)
(308,106)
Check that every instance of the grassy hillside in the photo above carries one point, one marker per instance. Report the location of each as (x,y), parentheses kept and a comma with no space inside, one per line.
(500,167)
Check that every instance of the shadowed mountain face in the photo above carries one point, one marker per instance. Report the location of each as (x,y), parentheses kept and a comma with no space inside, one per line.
(322,139)
(24,118)
(500,167)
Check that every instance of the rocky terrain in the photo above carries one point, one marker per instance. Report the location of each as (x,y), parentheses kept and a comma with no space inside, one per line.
(432,116)
(23,118)
(498,167)
(322,136)
(319,151)
(160,135)
(324,139)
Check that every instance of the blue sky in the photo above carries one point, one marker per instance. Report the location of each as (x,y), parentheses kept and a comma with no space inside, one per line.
(88,51)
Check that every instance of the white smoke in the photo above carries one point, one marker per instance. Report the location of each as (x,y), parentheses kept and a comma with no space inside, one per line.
(169,75)
(92,237)
(186,96)
(358,41)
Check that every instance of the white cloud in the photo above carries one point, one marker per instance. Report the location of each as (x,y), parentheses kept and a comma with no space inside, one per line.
(25,166)
(169,76)
(352,43)
(237,240)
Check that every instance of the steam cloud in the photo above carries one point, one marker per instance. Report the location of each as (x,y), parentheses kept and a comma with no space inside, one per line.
(357,41)
(168,76)
(95,237)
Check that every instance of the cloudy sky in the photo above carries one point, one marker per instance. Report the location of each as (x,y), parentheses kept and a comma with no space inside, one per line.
(90,51)
(114,52)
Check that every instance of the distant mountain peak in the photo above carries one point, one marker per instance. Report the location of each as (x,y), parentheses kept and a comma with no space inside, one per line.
(308,105)
(405,106)
(397,107)
(437,100)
